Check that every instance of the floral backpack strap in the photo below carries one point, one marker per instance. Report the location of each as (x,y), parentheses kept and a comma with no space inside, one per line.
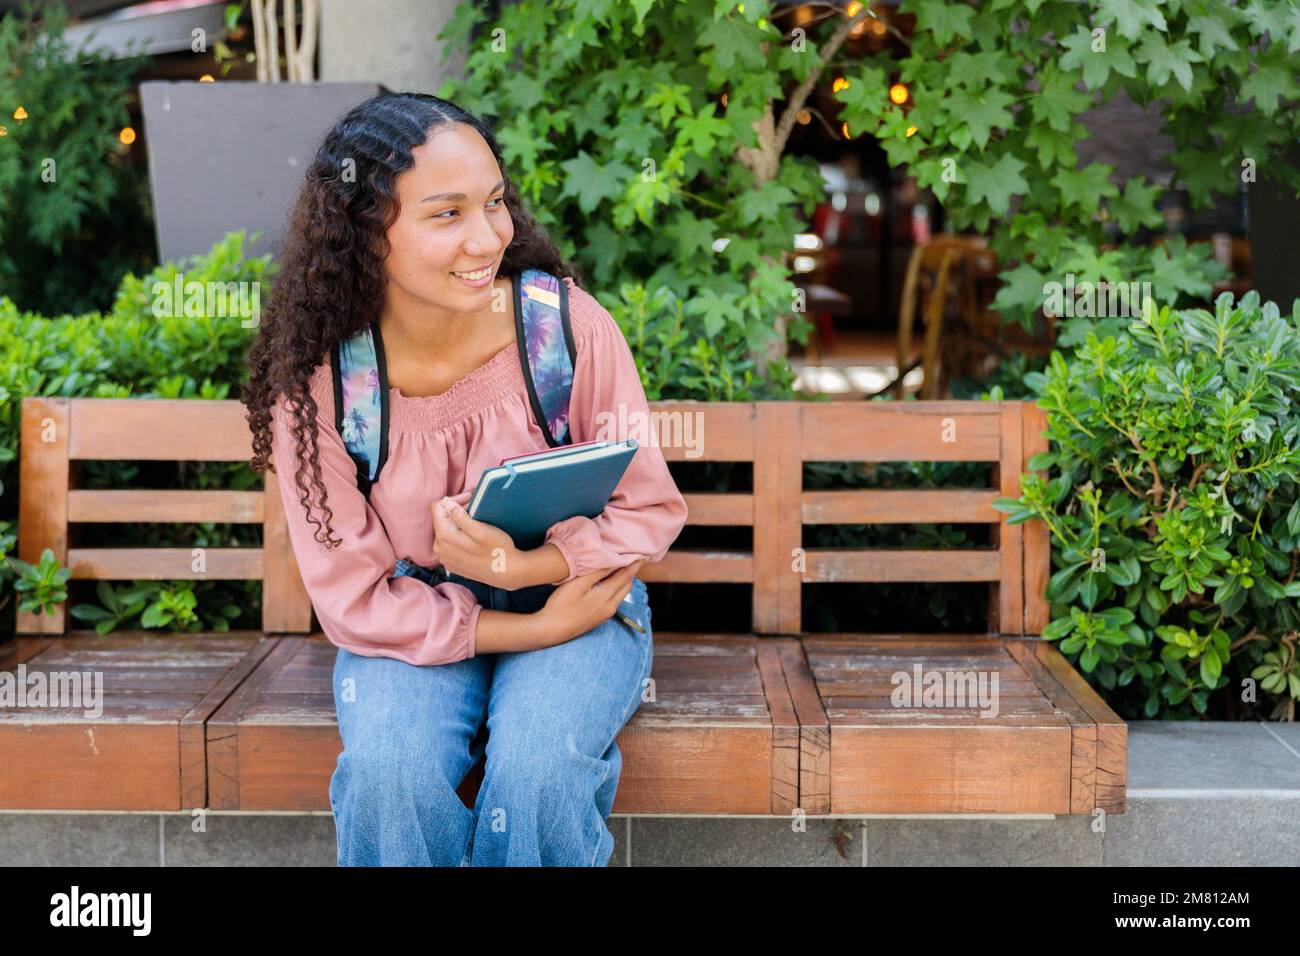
(361,404)
(546,350)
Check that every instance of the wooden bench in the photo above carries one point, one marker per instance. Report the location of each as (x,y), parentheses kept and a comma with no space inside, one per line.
(762,722)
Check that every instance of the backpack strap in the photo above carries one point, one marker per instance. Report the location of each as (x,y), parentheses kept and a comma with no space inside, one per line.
(547,352)
(361,403)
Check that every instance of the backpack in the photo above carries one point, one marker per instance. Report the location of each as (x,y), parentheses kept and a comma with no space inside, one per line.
(546,355)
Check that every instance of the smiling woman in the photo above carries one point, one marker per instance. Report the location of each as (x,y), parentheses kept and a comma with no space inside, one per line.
(411,264)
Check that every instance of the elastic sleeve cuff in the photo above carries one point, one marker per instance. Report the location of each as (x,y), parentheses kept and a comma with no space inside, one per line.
(557,536)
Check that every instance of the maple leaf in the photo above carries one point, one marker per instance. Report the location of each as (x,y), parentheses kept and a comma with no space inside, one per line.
(944,18)
(1130,15)
(1166,59)
(1267,85)
(982,112)
(1085,187)
(996,184)
(1096,66)
(1058,100)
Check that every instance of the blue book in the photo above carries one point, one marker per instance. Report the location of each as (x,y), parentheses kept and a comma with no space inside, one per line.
(525,495)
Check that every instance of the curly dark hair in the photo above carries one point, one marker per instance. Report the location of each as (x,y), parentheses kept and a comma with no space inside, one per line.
(331,281)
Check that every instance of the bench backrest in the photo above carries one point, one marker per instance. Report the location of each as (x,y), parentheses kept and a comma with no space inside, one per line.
(775,437)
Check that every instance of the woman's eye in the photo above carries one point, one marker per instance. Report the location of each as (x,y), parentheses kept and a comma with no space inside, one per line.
(442,215)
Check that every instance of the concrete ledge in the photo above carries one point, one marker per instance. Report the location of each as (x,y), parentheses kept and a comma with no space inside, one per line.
(1221,794)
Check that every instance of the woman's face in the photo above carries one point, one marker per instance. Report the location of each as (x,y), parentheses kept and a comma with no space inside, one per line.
(453,220)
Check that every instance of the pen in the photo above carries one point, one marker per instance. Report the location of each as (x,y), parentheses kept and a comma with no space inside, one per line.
(627,620)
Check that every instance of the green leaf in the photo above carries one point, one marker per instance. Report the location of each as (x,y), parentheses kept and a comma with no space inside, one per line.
(591,182)
(1130,16)
(1267,85)
(1096,65)
(943,18)
(1085,187)
(1167,59)
(1058,101)
(982,112)
(996,184)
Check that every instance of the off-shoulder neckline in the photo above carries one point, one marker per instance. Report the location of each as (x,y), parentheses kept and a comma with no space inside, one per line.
(460,384)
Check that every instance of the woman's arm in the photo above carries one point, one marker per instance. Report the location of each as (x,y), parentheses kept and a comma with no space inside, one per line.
(359,605)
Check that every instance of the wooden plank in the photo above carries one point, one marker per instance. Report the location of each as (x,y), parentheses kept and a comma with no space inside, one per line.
(165,564)
(719,431)
(889,565)
(1112,731)
(814,729)
(43,496)
(223,730)
(700,566)
(193,727)
(1037,538)
(1083,749)
(286,606)
(900,506)
(719,508)
(236,507)
(785,727)
(899,431)
(151,429)
(777,480)
(1010,587)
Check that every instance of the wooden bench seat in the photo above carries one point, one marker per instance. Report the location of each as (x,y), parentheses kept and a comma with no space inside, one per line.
(765,722)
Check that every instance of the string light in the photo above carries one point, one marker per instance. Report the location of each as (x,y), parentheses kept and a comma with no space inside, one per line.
(898,94)
(20,114)
(803,117)
(911,131)
(127,136)
(845,128)
(840,84)
(206,78)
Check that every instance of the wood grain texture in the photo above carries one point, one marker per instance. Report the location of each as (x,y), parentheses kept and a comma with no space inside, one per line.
(166,507)
(898,564)
(286,606)
(899,431)
(148,429)
(777,483)
(1010,537)
(905,757)
(130,755)
(43,497)
(1037,540)
(165,564)
(900,506)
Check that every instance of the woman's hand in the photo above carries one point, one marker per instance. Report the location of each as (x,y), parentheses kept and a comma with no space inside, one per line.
(577,606)
(474,549)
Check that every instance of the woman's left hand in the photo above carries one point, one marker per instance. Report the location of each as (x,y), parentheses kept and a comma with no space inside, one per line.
(474,549)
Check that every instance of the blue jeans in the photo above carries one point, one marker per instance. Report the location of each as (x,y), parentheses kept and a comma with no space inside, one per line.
(411,734)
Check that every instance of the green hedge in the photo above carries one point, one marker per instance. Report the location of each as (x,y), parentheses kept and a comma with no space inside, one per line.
(1172,502)
(131,350)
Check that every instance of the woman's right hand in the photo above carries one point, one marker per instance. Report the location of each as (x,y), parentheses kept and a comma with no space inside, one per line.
(576,606)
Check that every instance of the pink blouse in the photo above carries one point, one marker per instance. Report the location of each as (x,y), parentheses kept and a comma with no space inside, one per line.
(438,446)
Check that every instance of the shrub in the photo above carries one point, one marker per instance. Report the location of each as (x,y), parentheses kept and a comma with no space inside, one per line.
(66,182)
(131,351)
(1171,496)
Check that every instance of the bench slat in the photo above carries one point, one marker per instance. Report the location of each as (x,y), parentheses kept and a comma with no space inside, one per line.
(900,431)
(886,565)
(891,506)
(169,507)
(149,429)
(164,564)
